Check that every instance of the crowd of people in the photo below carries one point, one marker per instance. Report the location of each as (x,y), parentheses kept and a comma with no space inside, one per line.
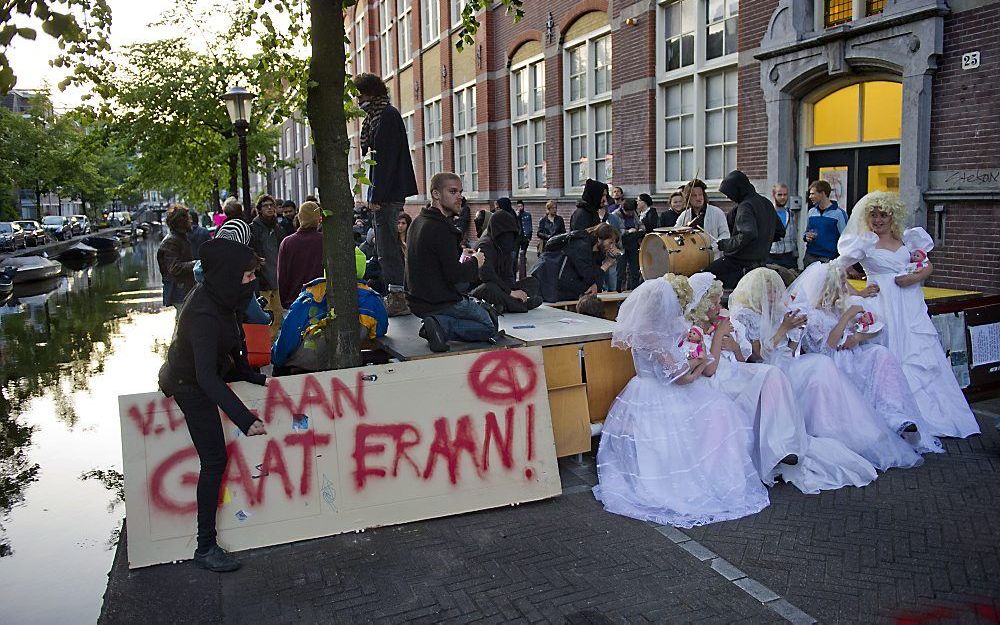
(813,383)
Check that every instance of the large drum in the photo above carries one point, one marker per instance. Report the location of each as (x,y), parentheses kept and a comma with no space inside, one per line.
(683,251)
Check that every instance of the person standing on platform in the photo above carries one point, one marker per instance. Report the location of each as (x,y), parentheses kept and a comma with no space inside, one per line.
(595,197)
(438,269)
(754,229)
(700,214)
(265,239)
(383,137)
(668,218)
(786,251)
(550,225)
(826,223)
(524,220)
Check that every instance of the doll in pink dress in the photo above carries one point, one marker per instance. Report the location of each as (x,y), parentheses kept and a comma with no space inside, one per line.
(694,344)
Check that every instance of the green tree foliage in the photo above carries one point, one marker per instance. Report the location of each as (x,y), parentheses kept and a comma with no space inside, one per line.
(81,28)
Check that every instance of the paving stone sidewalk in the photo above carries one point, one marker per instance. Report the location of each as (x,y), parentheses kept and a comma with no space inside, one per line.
(920,546)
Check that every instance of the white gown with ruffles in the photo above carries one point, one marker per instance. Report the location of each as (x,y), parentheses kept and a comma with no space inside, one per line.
(869,429)
(767,395)
(909,333)
(676,454)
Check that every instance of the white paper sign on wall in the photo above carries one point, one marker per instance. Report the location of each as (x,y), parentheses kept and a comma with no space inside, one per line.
(970,60)
(346,450)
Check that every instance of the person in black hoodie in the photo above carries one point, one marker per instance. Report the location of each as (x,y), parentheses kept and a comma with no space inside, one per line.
(207,351)
(578,264)
(496,286)
(755,226)
(595,197)
(438,270)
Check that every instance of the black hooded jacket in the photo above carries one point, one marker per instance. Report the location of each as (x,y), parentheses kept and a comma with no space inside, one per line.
(497,246)
(585,216)
(755,225)
(433,269)
(208,348)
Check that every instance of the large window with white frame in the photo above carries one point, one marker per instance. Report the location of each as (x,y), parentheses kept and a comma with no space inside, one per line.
(430,20)
(386,35)
(697,92)
(587,103)
(527,89)
(360,41)
(466,153)
(433,140)
(457,6)
(404,31)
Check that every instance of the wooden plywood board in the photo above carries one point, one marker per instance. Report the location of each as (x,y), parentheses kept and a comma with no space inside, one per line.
(346,450)
(548,326)
(608,371)
(562,366)
(570,420)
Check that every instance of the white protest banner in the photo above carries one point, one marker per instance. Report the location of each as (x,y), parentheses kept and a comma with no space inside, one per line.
(346,450)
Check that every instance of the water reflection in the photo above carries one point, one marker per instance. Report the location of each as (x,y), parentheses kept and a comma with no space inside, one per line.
(68,347)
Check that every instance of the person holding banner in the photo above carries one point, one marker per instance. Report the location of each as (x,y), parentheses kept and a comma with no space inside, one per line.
(207,351)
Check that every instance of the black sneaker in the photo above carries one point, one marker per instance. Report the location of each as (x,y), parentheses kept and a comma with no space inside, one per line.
(434,333)
(498,337)
(216,560)
(908,427)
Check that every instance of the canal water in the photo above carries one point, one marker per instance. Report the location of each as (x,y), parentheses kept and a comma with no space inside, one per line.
(68,348)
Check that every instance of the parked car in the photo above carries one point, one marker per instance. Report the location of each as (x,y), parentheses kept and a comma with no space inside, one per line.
(11,236)
(81,225)
(34,233)
(58,227)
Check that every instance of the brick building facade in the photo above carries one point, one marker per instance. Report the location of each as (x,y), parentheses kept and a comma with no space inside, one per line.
(647,94)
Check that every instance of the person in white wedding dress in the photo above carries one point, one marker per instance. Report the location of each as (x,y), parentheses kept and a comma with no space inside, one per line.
(782,443)
(821,293)
(875,237)
(673,450)
(823,393)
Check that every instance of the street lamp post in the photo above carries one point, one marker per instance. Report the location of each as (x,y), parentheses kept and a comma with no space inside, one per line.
(238,104)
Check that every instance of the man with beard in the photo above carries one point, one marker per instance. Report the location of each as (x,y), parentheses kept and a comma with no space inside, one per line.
(496,285)
(383,137)
(265,239)
(437,270)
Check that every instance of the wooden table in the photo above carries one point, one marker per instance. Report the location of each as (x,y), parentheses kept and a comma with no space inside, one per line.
(583,372)
(403,342)
(612,301)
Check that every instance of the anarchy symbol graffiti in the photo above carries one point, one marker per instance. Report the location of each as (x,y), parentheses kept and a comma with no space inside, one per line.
(504,376)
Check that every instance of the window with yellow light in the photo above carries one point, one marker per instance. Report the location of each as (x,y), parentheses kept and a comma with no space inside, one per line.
(859,113)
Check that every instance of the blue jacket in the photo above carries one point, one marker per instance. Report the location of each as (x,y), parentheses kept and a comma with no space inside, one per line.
(308,314)
(828,226)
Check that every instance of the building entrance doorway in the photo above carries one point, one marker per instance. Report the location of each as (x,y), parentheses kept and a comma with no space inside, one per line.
(853,172)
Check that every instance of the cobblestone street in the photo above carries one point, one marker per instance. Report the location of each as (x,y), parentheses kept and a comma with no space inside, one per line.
(917,546)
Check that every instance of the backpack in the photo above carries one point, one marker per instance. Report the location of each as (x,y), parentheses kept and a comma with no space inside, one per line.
(559,242)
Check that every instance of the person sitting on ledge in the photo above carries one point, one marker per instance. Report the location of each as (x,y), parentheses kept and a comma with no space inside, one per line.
(497,286)
(439,270)
(575,263)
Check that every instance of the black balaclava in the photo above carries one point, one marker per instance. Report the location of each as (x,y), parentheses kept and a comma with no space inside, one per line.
(503,230)
(224,262)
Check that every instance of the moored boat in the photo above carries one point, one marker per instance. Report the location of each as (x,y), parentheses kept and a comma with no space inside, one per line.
(32,268)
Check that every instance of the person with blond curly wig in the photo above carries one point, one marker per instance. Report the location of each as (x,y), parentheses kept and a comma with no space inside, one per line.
(782,445)
(876,237)
(673,450)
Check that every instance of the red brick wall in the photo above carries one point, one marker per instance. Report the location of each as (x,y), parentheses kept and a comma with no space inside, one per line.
(971,256)
(965,116)
(751,147)
(965,126)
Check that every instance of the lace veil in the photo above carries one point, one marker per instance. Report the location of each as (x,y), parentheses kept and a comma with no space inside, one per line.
(651,320)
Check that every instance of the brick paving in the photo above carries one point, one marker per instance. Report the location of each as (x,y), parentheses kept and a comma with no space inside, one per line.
(919,546)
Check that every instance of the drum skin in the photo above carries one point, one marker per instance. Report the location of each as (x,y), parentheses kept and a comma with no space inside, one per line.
(682,251)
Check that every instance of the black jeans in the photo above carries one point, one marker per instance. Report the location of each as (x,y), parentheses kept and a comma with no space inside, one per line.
(205,426)
(730,271)
(390,255)
(629,276)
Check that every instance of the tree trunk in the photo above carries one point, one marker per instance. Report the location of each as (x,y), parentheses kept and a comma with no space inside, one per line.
(214,202)
(234,183)
(38,203)
(325,107)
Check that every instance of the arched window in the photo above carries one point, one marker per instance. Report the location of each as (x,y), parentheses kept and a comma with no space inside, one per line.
(861,113)
(587,100)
